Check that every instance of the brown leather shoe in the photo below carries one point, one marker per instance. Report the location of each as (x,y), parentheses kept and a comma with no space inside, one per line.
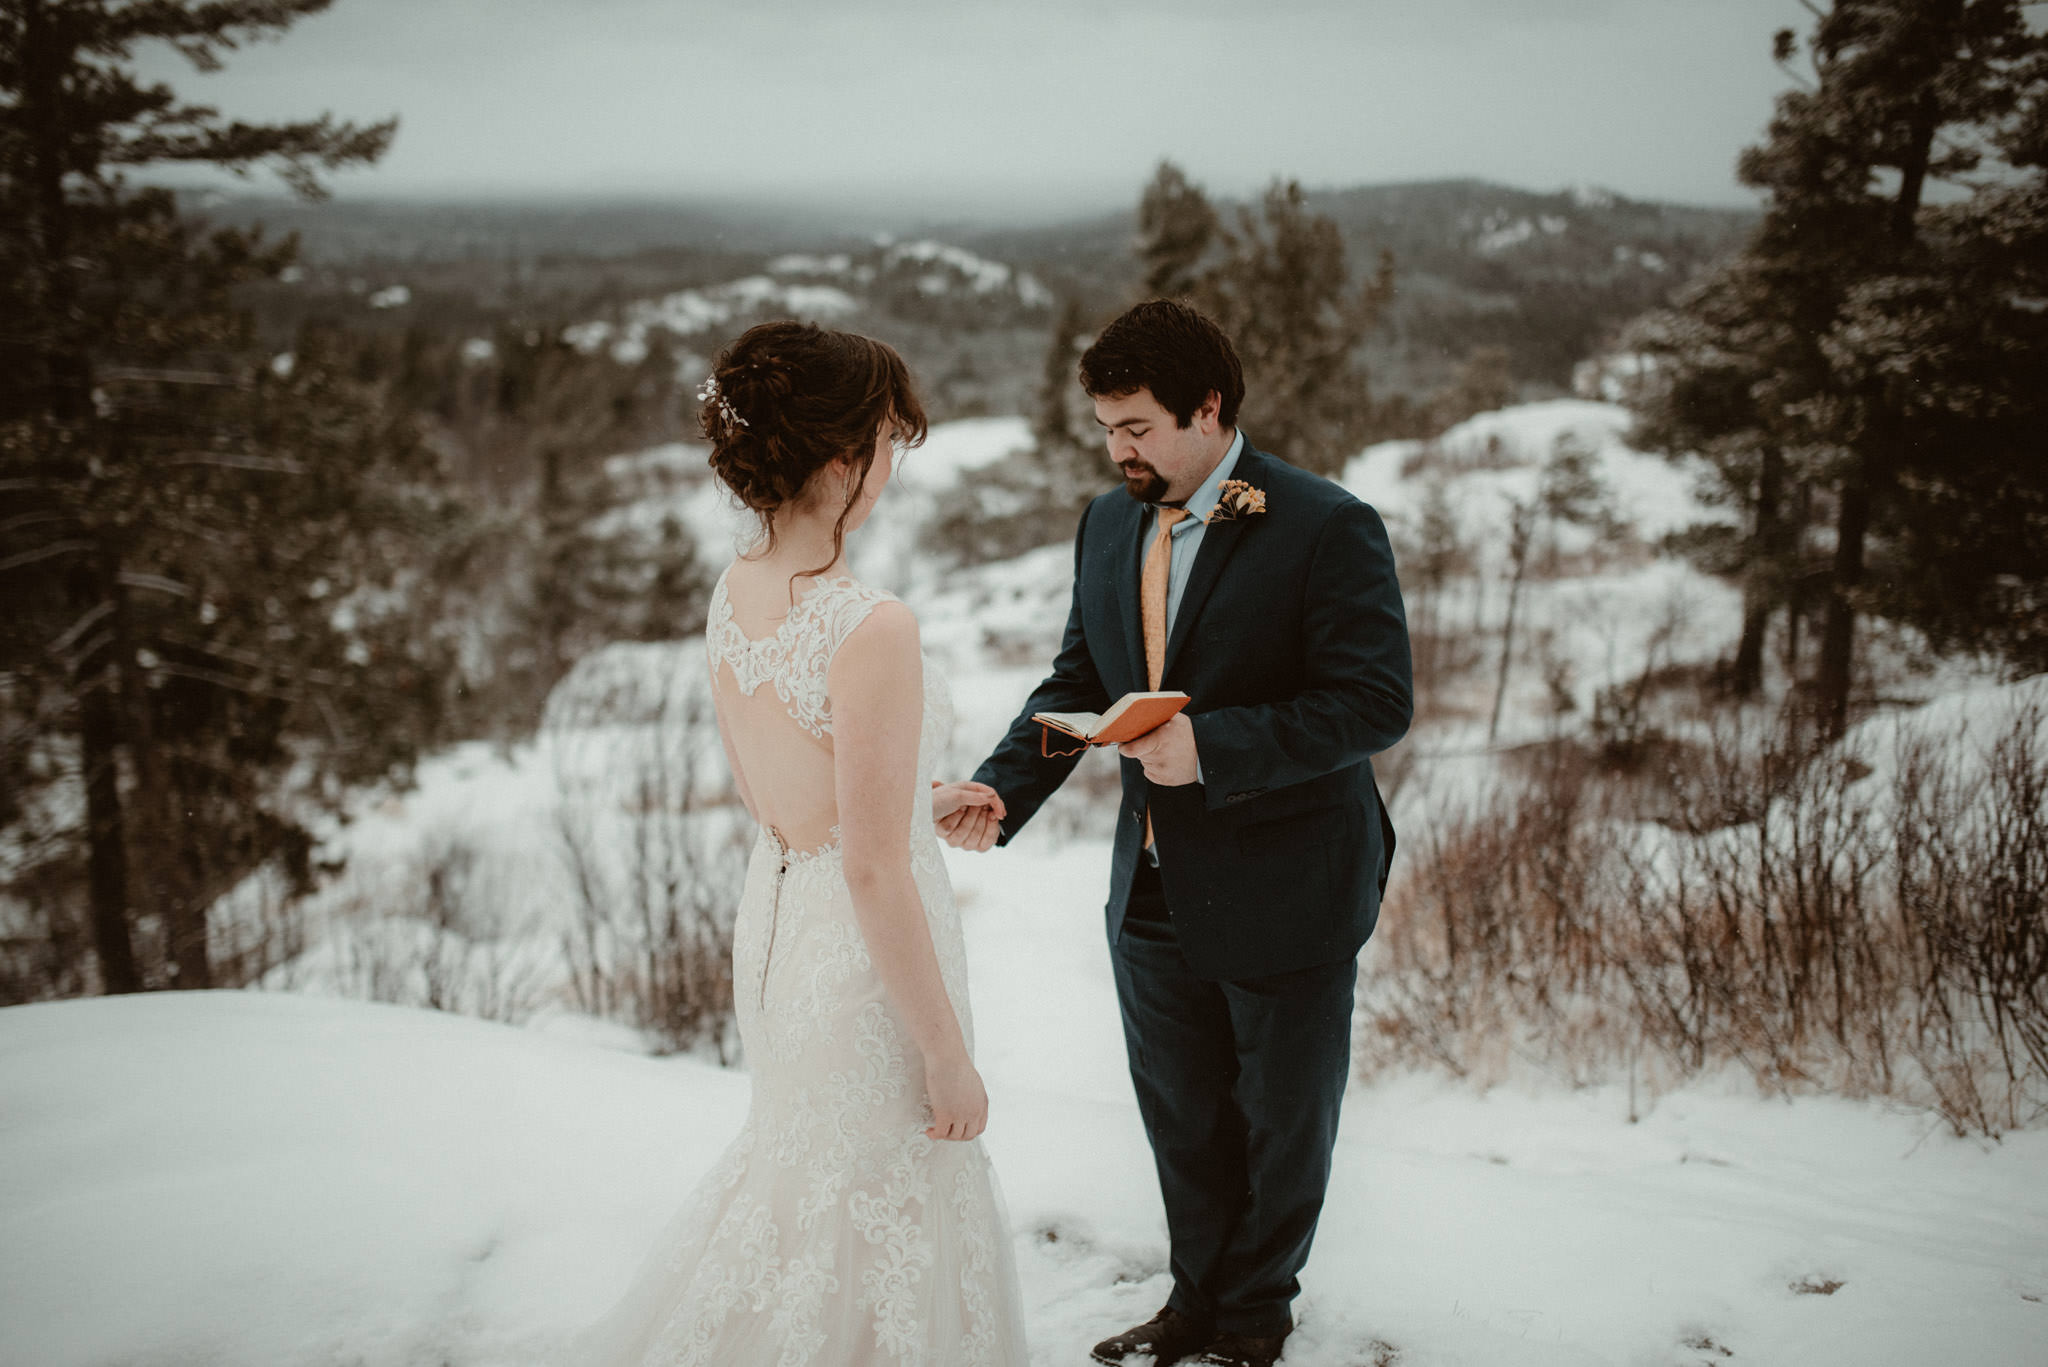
(1167,1337)
(1241,1350)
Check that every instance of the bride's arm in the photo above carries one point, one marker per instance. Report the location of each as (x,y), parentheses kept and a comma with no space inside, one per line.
(877,690)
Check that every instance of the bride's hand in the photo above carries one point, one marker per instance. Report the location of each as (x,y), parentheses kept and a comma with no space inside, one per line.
(951,798)
(959,1101)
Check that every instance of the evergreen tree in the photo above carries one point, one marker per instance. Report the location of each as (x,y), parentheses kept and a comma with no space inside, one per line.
(1885,351)
(1728,360)
(203,545)
(1068,451)
(1176,228)
(1280,285)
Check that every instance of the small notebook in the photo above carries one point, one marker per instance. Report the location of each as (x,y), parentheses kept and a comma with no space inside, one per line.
(1130,717)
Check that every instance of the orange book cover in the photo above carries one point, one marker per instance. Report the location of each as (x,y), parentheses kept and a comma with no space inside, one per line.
(1130,717)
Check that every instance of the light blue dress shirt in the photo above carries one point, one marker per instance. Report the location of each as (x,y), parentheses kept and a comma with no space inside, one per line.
(1187,533)
(1187,540)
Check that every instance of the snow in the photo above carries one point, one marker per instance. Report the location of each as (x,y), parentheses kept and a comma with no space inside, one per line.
(290,1177)
(800,263)
(1599,608)
(271,1179)
(391,297)
(1497,236)
(686,313)
(955,448)
(982,275)
(1653,262)
(1653,494)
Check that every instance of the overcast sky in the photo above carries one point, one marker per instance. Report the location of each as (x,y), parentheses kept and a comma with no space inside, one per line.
(1038,104)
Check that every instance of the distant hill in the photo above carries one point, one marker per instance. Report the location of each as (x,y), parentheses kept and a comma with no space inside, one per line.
(356,231)
(1547,276)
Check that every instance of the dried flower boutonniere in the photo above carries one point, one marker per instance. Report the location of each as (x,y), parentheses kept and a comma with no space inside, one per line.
(1236,499)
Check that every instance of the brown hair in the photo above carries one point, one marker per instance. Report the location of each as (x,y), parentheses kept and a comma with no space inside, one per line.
(1171,348)
(792,397)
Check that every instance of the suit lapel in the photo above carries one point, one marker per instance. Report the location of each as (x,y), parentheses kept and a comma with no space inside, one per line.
(1219,539)
(1130,565)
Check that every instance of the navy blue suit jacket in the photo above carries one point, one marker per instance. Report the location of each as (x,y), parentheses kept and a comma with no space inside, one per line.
(1293,646)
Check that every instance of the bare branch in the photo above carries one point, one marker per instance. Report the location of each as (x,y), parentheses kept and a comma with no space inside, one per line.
(257,661)
(136,579)
(271,464)
(96,613)
(149,375)
(15,524)
(221,680)
(55,548)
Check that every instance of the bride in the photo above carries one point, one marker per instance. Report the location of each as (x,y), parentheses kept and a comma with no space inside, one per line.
(855,1218)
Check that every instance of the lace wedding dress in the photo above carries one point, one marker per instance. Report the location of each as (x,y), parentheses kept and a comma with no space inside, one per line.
(833,1231)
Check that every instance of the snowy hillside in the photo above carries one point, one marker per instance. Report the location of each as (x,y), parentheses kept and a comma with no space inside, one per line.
(819,288)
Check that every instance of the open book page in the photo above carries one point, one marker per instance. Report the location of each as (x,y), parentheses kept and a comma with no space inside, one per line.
(1082,724)
(1132,716)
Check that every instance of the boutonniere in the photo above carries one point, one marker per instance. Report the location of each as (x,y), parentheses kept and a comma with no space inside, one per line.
(1236,499)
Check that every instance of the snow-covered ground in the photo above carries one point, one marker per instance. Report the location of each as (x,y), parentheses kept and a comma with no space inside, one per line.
(282,1178)
(267,1180)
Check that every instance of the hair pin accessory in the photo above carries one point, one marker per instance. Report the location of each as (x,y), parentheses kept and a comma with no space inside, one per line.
(708,392)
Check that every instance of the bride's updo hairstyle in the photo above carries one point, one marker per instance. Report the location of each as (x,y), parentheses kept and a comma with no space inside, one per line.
(787,399)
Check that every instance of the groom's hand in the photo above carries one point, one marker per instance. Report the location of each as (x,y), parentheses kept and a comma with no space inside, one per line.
(1167,752)
(971,828)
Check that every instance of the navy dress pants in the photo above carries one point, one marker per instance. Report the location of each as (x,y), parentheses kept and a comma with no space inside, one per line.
(1239,1085)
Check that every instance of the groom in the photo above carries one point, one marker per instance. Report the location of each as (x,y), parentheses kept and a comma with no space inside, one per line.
(1251,843)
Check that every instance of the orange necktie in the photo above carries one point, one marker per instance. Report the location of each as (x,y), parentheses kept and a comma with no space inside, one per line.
(1152,605)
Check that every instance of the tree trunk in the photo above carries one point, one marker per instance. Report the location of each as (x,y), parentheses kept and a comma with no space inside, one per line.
(1521,534)
(184,918)
(106,838)
(1760,583)
(1864,483)
(1838,627)
(1796,574)
(52,275)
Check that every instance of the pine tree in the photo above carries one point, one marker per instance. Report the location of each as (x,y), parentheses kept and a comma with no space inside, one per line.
(1280,285)
(1176,228)
(1887,351)
(1726,358)
(1069,461)
(195,537)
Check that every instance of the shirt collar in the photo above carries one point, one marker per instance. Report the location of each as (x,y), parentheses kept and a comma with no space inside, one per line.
(1203,501)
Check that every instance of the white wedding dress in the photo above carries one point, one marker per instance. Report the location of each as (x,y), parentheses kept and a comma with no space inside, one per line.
(834,1232)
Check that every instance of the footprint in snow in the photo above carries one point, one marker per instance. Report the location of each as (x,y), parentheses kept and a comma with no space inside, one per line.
(1817,1286)
(1711,1353)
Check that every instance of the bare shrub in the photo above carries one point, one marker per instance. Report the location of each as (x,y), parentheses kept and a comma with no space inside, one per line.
(655,845)
(1797,912)
(1493,938)
(425,936)
(1763,942)
(1970,860)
